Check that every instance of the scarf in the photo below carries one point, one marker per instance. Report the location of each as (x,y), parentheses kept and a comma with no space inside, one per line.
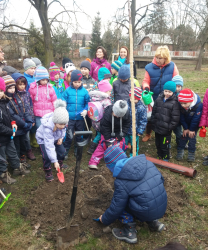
(122,60)
(99,61)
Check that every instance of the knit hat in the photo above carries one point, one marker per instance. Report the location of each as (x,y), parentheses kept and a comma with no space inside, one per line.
(104,86)
(60,114)
(112,155)
(76,75)
(120,108)
(36,61)
(2,84)
(41,73)
(66,60)
(137,93)
(85,64)
(178,80)
(124,72)
(10,70)
(116,65)
(186,95)
(53,70)
(28,63)
(101,72)
(107,76)
(9,81)
(69,67)
(170,86)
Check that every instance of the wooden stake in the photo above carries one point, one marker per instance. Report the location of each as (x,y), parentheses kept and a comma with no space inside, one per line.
(132,83)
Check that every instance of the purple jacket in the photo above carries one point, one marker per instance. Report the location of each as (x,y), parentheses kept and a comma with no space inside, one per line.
(96,65)
(45,135)
(204,117)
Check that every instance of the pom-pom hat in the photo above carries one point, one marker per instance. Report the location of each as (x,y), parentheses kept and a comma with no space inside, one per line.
(60,114)
(120,108)
(85,64)
(137,93)
(53,70)
(2,84)
(186,95)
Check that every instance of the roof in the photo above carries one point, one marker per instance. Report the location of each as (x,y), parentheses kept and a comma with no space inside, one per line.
(79,36)
(158,38)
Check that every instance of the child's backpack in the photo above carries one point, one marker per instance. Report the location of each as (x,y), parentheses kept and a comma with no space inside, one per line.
(95,111)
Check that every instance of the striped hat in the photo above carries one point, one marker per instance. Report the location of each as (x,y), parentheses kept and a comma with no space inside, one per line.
(116,65)
(41,73)
(186,95)
(9,81)
(178,80)
(137,93)
(53,70)
(112,155)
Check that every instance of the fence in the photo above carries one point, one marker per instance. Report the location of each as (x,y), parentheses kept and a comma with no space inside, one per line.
(184,54)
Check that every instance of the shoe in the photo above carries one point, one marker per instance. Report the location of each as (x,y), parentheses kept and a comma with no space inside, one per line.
(146,138)
(186,147)
(23,161)
(205,158)
(30,155)
(128,233)
(33,141)
(180,154)
(92,166)
(49,177)
(21,170)
(92,148)
(191,156)
(63,166)
(156,226)
(205,163)
(6,178)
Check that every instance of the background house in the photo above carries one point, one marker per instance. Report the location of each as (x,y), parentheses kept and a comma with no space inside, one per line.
(79,37)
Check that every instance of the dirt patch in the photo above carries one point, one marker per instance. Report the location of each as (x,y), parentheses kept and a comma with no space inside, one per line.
(50,203)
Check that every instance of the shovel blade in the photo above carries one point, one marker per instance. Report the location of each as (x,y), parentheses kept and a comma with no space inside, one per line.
(60,176)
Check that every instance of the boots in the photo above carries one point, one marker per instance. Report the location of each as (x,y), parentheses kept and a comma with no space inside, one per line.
(146,138)
(6,178)
(128,233)
(49,177)
(191,156)
(21,170)
(62,165)
(24,162)
(180,154)
(30,155)
(92,148)
(156,226)
(33,141)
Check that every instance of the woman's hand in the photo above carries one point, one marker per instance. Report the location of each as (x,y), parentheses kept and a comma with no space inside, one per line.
(59,142)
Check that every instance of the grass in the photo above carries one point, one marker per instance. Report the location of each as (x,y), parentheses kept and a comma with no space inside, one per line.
(190,226)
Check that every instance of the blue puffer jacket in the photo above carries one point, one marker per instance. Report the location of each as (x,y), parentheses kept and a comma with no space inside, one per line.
(190,119)
(30,79)
(139,190)
(77,100)
(157,83)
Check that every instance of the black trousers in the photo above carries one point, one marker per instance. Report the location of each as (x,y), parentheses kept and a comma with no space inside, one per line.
(19,142)
(162,143)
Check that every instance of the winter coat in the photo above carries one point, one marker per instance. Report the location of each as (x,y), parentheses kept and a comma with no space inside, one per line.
(121,90)
(156,76)
(77,100)
(204,117)
(30,79)
(138,189)
(104,99)
(5,122)
(165,114)
(20,113)
(59,87)
(113,79)
(96,65)
(43,105)
(190,118)
(45,135)
(25,96)
(141,117)
(88,82)
(106,124)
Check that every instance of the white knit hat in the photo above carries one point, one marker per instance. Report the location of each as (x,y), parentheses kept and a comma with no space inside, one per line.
(120,108)
(60,115)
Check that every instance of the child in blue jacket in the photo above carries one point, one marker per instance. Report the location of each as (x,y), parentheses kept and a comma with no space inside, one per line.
(139,192)
(191,111)
(77,98)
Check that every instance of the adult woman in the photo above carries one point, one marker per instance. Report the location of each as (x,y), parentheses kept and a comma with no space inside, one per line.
(157,73)
(98,62)
(124,58)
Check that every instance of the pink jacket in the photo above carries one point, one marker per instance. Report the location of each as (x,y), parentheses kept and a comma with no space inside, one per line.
(95,67)
(204,117)
(42,101)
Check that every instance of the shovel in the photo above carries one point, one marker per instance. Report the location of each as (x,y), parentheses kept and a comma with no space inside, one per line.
(60,176)
(69,235)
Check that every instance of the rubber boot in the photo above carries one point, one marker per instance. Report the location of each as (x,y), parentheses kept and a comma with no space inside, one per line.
(33,141)
(155,226)
(180,154)
(128,233)
(146,138)
(92,148)
(191,156)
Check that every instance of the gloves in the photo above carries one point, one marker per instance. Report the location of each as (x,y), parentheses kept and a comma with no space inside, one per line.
(84,113)
(147,89)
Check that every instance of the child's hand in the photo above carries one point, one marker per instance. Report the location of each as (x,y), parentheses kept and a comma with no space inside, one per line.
(191,134)
(33,124)
(14,126)
(100,218)
(185,132)
(138,134)
(59,142)
(56,165)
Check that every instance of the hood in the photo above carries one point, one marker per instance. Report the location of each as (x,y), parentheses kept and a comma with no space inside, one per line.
(46,120)
(16,76)
(162,66)
(133,168)
(97,95)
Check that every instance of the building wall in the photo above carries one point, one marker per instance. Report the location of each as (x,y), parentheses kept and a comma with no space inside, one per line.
(154,46)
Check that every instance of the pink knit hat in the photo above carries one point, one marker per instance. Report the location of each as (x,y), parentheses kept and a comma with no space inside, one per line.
(53,70)
(186,95)
(104,86)
(2,84)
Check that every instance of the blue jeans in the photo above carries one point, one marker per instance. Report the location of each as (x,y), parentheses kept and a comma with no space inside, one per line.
(191,143)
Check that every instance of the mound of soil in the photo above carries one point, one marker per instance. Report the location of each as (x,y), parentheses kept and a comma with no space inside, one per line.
(50,203)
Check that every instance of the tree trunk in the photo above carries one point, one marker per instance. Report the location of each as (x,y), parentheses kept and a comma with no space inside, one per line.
(200,57)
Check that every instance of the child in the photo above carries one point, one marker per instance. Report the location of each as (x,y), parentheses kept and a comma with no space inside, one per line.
(56,81)
(191,111)
(103,97)
(29,67)
(115,66)
(68,67)
(50,136)
(140,117)
(43,95)
(165,117)
(21,85)
(7,147)
(77,98)
(87,80)
(138,192)
(21,115)
(114,124)
(122,85)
